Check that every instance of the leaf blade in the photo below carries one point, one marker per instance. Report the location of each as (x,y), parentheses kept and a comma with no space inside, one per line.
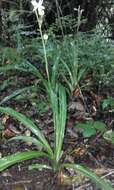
(30,125)
(10,160)
(87,172)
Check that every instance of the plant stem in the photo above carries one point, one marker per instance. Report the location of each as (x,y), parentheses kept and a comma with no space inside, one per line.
(44,47)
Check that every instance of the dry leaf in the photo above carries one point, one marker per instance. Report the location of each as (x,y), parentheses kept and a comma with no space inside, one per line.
(79,151)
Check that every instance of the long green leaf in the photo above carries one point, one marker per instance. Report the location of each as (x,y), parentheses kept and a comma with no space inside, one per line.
(19,157)
(59,117)
(88,173)
(62,121)
(54,72)
(24,66)
(30,125)
(28,139)
(69,72)
(15,93)
(39,166)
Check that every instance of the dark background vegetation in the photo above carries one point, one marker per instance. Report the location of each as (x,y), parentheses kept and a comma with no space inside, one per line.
(98,13)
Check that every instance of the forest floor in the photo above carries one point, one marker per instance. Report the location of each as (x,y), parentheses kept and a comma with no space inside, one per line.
(93,152)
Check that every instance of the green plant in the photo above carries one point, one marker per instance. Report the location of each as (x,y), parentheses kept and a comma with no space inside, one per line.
(16,93)
(73,71)
(57,97)
(59,116)
(54,154)
(108,103)
(81,59)
(13,59)
(96,53)
(91,128)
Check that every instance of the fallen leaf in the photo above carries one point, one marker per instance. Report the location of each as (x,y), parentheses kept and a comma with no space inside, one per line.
(79,151)
(8,133)
(5,118)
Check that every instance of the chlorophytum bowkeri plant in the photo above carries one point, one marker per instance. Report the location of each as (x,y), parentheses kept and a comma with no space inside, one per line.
(53,154)
(57,98)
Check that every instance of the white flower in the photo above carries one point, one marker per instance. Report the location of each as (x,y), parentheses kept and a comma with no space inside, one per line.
(38,6)
(41,12)
(45,37)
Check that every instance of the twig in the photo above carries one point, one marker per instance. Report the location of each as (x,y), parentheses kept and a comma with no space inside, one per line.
(110,173)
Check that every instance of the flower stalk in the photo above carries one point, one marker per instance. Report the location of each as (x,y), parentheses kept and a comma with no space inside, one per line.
(38,8)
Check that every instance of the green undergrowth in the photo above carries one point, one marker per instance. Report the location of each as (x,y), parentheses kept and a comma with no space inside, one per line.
(83,60)
(59,66)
